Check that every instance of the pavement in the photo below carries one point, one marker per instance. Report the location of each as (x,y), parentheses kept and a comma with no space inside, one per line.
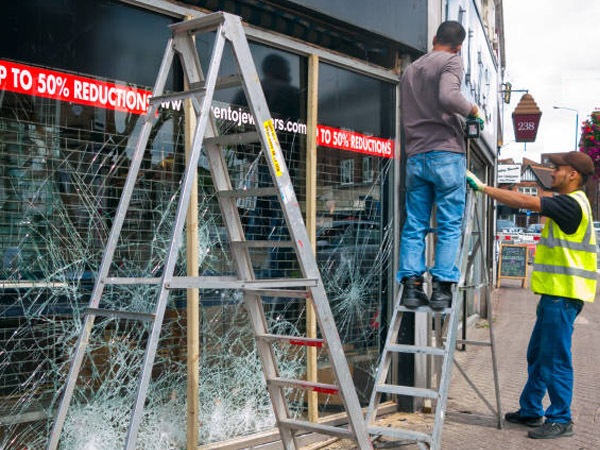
(469,424)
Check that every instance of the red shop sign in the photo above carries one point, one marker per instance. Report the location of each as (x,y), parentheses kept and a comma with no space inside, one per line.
(64,86)
(526,119)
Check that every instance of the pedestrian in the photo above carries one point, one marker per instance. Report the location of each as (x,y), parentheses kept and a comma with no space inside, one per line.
(431,103)
(564,273)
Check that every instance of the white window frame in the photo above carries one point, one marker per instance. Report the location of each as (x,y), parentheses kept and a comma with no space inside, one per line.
(347,171)
(367,169)
(529,190)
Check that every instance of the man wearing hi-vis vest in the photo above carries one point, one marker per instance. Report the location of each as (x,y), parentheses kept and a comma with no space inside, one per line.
(564,273)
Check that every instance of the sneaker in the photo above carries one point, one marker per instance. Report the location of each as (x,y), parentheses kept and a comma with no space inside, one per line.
(441,294)
(552,430)
(413,295)
(515,417)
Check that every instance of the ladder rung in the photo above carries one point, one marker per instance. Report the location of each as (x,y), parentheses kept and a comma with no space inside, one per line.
(416,349)
(183,95)
(305,385)
(481,343)
(263,244)
(226,82)
(204,23)
(400,434)
(244,193)
(280,293)
(144,317)
(408,390)
(233,139)
(424,309)
(293,340)
(234,283)
(127,281)
(279,283)
(316,428)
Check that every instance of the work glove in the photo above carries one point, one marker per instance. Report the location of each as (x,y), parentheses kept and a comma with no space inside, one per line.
(479,119)
(475,183)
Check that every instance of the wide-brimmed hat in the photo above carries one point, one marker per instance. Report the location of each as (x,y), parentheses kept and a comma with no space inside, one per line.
(580,161)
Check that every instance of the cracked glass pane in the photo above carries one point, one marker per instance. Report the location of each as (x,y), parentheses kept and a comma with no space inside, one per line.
(62,173)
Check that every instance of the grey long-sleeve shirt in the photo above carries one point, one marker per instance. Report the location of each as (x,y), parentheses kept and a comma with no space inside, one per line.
(431,101)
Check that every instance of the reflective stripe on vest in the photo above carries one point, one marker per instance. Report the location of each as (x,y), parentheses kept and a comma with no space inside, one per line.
(566,271)
(565,265)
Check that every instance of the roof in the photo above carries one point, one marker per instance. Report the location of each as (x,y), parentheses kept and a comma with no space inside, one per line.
(530,162)
(544,175)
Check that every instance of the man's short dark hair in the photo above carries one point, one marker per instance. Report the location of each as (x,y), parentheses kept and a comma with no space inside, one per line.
(450,33)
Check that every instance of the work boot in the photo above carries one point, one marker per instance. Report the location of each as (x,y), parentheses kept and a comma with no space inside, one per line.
(441,294)
(413,295)
(516,417)
(552,430)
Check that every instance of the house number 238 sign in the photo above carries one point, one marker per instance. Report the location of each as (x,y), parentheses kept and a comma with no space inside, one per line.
(526,119)
(526,126)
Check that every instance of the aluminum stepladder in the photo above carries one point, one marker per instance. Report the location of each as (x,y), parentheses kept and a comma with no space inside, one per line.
(433,440)
(200,90)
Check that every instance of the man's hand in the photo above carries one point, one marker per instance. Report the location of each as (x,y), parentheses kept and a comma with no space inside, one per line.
(475,183)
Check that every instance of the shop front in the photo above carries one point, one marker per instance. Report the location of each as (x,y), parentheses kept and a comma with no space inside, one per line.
(73,93)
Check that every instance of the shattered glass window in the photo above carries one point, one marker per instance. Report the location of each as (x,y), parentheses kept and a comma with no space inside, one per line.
(63,170)
(354,238)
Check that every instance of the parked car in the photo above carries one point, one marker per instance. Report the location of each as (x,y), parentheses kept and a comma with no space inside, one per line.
(535,228)
(502,225)
(507,226)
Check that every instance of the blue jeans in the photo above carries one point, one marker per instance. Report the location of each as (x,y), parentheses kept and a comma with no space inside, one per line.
(433,177)
(549,365)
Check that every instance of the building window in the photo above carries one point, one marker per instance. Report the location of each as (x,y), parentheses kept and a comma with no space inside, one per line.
(529,190)
(347,171)
(367,169)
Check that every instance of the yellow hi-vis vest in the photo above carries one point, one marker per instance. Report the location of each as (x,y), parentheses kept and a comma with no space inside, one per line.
(565,264)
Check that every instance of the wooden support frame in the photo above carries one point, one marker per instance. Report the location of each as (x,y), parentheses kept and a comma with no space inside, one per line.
(311,219)
(193,297)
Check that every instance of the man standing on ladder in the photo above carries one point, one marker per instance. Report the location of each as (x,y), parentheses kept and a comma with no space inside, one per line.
(435,148)
(564,272)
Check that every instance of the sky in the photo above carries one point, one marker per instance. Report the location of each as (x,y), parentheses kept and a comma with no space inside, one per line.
(553,50)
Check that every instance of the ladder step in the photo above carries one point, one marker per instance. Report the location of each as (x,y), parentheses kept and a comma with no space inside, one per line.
(143,317)
(316,428)
(305,385)
(401,308)
(263,244)
(244,193)
(233,139)
(293,340)
(481,343)
(226,82)
(128,281)
(408,390)
(205,23)
(279,283)
(280,293)
(175,96)
(400,434)
(234,283)
(416,349)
